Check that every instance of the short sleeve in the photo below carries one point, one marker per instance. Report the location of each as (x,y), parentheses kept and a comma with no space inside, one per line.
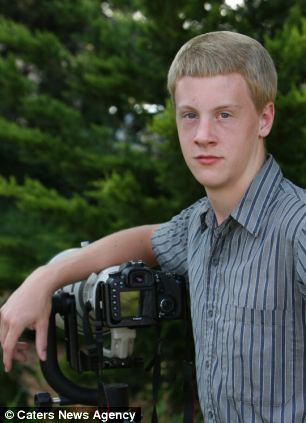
(170,242)
(301,258)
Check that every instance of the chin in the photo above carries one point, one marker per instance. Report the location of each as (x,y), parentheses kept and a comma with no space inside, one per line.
(210,182)
(208,185)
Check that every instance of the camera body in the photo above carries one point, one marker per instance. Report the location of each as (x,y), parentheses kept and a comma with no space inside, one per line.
(137,295)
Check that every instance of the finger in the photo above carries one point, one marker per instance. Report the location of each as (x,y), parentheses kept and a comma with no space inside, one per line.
(8,347)
(20,351)
(22,346)
(20,356)
(3,327)
(9,334)
(41,339)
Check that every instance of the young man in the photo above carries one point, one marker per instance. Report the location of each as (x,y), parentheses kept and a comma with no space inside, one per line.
(243,246)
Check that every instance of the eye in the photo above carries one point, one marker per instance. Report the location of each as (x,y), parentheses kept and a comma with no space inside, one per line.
(224,115)
(189,115)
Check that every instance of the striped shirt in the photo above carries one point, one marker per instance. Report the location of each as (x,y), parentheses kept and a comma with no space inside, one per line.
(248,300)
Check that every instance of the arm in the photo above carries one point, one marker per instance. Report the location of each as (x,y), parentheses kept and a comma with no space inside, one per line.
(30,305)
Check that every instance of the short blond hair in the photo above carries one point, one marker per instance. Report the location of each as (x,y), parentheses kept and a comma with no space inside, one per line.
(225,52)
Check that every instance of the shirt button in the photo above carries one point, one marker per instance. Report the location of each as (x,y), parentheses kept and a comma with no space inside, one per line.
(207,364)
(210,414)
(210,313)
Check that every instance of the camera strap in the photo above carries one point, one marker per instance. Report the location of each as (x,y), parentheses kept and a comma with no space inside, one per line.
(188,374)
(188,369)
(156,374)
(95,352)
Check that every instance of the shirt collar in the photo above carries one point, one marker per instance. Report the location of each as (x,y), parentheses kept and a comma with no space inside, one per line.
(254,204)
(206,216)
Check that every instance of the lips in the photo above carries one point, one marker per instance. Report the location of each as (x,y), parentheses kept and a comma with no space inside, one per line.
(207,160)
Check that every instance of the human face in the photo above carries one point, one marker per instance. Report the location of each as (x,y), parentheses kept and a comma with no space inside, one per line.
(220,131)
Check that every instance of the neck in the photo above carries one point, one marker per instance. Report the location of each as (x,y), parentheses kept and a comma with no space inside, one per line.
(225,199)
(223,203)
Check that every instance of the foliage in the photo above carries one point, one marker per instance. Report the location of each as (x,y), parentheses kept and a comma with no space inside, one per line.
(88,143)
(288,141)
(13,395)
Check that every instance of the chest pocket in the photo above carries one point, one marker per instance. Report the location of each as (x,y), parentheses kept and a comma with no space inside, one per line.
(258,355)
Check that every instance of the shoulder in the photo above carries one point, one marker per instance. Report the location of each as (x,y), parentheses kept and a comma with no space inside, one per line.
(169,241)
(294,191)
(195,209)
(179,224)
(292,217)
(292,201)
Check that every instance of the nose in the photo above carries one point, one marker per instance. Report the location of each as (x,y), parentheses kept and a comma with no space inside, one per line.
(205,132)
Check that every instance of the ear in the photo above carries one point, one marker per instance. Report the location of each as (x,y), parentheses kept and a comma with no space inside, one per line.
(266,120)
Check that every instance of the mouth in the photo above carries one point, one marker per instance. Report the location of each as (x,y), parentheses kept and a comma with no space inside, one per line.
(207,159)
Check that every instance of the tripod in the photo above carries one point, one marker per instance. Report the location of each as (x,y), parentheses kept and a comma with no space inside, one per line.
(105,396)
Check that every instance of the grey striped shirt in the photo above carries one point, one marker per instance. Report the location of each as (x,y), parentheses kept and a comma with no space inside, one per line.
(248,300)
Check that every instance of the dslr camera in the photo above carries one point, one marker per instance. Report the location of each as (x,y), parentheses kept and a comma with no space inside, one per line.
(129,296)
(137,295)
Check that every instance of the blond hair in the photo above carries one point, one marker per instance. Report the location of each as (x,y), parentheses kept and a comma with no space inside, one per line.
(224,52)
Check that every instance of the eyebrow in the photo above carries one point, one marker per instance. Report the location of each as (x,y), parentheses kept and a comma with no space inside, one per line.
(228,106)
(221,107)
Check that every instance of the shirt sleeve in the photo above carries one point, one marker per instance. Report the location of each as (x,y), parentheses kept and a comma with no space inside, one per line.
(301,262)
(170,242)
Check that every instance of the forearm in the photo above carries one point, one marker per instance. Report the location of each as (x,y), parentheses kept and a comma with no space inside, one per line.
(29,306)
(129,244)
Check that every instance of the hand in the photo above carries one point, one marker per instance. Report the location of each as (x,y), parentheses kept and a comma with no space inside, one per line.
(28,307)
